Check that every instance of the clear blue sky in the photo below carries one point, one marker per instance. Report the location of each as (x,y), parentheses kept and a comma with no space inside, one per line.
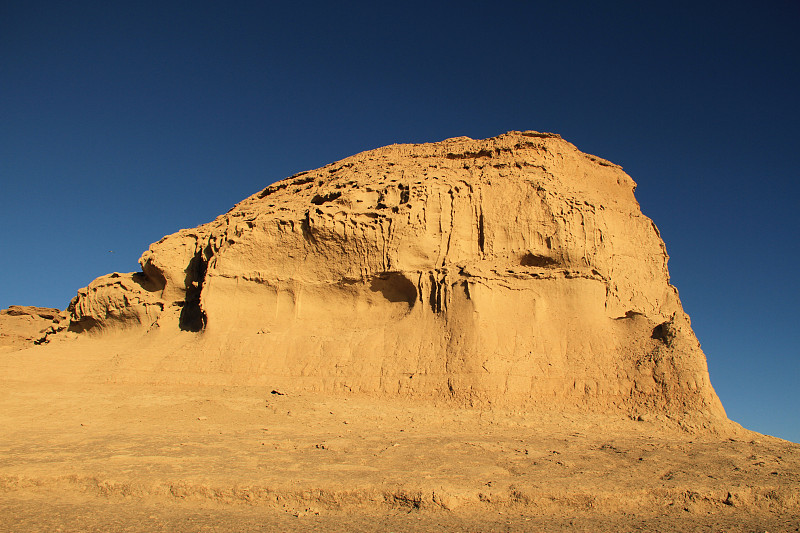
(121,122)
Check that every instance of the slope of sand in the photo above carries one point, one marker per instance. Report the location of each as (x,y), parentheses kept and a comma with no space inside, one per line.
(81,455)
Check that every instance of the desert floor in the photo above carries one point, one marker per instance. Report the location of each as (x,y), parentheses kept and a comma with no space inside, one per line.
(122,457)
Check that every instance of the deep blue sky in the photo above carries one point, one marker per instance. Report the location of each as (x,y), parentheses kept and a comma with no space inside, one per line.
(121,122)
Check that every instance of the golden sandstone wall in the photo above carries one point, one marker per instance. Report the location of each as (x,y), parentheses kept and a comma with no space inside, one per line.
(511,271)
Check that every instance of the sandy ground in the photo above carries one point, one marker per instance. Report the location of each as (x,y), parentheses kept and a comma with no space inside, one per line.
(115,457)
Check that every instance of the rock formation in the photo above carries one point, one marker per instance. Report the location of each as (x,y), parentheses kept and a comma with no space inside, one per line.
(514,271)
(21,325)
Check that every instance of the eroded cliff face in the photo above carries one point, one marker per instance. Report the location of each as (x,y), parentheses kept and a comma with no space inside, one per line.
(514,271)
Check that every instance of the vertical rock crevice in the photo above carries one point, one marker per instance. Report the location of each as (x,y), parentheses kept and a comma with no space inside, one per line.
(192,317)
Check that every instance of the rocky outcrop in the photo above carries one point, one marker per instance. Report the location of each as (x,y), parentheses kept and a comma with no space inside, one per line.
(22,326)
(513,271)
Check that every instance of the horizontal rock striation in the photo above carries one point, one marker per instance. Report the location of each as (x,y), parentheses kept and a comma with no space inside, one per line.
(511,271)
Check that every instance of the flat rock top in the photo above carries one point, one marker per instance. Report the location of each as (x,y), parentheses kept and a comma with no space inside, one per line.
(47,313)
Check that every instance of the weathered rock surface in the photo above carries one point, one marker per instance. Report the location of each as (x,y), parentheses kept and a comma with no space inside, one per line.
(22,325)
(511,271)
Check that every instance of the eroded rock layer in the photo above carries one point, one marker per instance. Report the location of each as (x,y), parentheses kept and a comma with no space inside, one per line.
(23,325)
(513,271)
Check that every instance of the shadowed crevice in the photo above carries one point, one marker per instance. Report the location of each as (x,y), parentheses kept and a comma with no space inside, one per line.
(193,318)
(537,260)
(395,287)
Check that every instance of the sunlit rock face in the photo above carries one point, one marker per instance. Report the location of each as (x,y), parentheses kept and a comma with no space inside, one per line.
(24,325)
(514,271)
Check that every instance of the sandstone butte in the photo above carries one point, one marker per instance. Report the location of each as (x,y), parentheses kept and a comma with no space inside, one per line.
(513,273)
